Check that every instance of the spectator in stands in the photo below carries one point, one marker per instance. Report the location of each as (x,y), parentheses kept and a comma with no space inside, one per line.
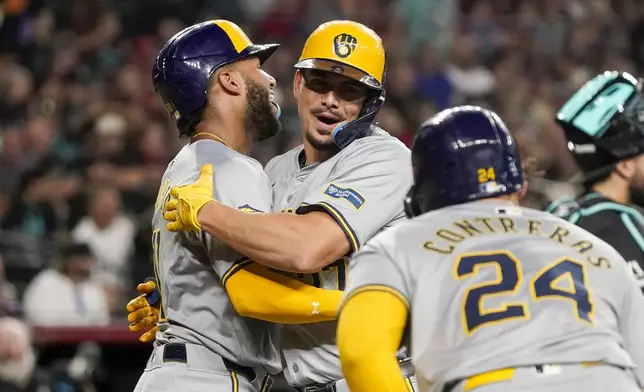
(110,234)
(469,77)
(45,186)
(17,358)
(16,85)
(11,165)
(8,302)
(107,231)
(65,295)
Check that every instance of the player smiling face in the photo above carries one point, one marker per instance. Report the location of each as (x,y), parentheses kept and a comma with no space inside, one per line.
(325,100)
(261,116)
(260,110)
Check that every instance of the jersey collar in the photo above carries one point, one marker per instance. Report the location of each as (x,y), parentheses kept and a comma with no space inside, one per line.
(301,158)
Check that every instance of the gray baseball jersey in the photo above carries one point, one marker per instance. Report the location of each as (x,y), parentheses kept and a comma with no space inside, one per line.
(491,286)
(192,268)
(362,188)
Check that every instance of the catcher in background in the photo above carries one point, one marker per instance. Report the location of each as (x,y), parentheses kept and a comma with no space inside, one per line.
(604,124)
(498,297)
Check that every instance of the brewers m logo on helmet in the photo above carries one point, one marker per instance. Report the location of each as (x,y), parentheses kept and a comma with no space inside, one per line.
(344,44)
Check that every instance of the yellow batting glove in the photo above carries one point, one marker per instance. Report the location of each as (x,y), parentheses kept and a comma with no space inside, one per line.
(143,316)
(186,201)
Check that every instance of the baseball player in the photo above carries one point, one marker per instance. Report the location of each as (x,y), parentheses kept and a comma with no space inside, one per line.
(500,298)
(209,78)
(604,124)
(342,186)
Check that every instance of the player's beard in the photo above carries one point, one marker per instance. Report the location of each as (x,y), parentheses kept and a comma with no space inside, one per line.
(259,118)
(327,145)
(636,188)
(636,194)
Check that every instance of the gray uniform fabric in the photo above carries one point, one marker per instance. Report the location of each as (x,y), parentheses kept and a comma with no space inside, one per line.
(190,269)
(563,378)
(362,188)
(492,286)
(203,371)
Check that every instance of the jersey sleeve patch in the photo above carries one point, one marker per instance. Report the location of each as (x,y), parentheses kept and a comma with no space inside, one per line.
(249,209)
(348,194)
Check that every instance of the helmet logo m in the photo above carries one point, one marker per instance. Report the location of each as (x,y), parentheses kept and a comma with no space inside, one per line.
(344,44)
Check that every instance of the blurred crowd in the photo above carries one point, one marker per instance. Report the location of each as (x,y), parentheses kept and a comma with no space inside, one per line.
(84,141)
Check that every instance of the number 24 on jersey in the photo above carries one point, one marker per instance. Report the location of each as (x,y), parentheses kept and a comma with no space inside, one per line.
(508,281)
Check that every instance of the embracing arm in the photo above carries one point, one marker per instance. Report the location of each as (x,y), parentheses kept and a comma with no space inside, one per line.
(294,243)
(333,220)
(361,195)
(254,292)
(257,292)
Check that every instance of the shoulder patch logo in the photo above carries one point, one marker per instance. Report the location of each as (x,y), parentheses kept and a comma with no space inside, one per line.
(249,209)
(350,195)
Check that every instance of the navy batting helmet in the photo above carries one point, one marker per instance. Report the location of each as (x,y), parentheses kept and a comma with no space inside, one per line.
(462,154)
(604,122)
(185,63)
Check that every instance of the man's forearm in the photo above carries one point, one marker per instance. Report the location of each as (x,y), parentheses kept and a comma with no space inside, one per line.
(370,329)
(277,240)
(259,293)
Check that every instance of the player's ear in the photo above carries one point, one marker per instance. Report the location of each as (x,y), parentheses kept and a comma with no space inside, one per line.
(625,168)
(298,82)
(231,81)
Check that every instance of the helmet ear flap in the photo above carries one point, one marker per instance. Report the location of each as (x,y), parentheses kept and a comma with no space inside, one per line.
(345,133)
(412,208)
